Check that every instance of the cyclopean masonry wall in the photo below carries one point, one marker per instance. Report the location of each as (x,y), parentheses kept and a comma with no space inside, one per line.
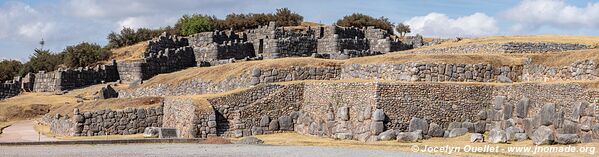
(66,79)
(412,72)
(108,122)
(361,110)
(10,88)
(343,110)
(509,47)
(190,119)
(164,54)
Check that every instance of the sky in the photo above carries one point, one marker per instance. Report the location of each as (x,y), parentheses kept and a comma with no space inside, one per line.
(23,23)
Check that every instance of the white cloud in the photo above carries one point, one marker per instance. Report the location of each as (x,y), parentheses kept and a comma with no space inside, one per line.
(21,22)
(440,25)
(531,15)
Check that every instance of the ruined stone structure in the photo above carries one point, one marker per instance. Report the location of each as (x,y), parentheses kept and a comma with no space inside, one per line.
(508,47)
(66,79)
(10,88)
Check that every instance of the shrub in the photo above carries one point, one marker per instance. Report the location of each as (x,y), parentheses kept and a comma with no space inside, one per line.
(402,29)
(42,60)
(84,54)
(188,25)
(129,36)
(361,20)
(9,69)
(240,22)
(284,17)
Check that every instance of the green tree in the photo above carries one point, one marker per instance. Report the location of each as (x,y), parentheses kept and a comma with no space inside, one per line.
(9,69)
(128,36)
(361,20)
(84,54)
(42,60)
(196,23)
(403,29)
(284,17)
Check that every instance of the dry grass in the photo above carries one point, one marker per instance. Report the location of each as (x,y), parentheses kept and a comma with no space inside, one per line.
(34,105)
(295,139)
(132,52)
(221,72)
(45,130)
(592,41)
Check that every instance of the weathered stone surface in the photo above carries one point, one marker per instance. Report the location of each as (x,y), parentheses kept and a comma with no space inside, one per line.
(547,114)
(409,136)
(522,108)
(504,79)
(250,140)
(507,111)
(476,137)
(586,137)
(454,125)
(480,127)
(579,109)
(595,131)
(418,124)
(543,135)
(164,133)
(274,125)
(521,136)
(388,135)
(151,132)
(377,127)
(343,113)
(510,132)
(470,126)
(264,121)
(497,136)
(435,130)
(285,123)
(457,132)
(378,115)
(498,102)
(567,138)
(482,115)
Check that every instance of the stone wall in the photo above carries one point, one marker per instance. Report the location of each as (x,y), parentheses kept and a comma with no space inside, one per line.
(67,79)
(247,79)
(10,88)
(413,72)
(509,47)
(164,54)
(59,124)
(431,72)
(190,120)
(121,122)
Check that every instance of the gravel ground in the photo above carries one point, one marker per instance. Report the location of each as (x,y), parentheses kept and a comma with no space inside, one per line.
(191,150)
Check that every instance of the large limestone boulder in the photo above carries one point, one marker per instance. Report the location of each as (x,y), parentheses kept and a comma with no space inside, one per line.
(511,133)
(343,113)
(410,136)
(497,136)
(418,124)
(274,125)
(457,132)
(470,126)
(435,130)
(151,132)
(378,115)
(522,108)
(567,138)
(547,114)
(264,121)
(454,125)
(504,79)
(476,137)
(388,135)
(543,135)
(285,123)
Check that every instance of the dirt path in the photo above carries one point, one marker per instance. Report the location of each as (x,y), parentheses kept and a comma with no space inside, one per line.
(22,131)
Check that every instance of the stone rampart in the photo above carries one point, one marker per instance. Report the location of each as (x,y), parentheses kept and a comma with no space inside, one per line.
(10,88)
(67,79)
(509,47)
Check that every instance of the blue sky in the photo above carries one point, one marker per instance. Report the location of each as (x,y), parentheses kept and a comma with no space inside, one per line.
(66,22)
